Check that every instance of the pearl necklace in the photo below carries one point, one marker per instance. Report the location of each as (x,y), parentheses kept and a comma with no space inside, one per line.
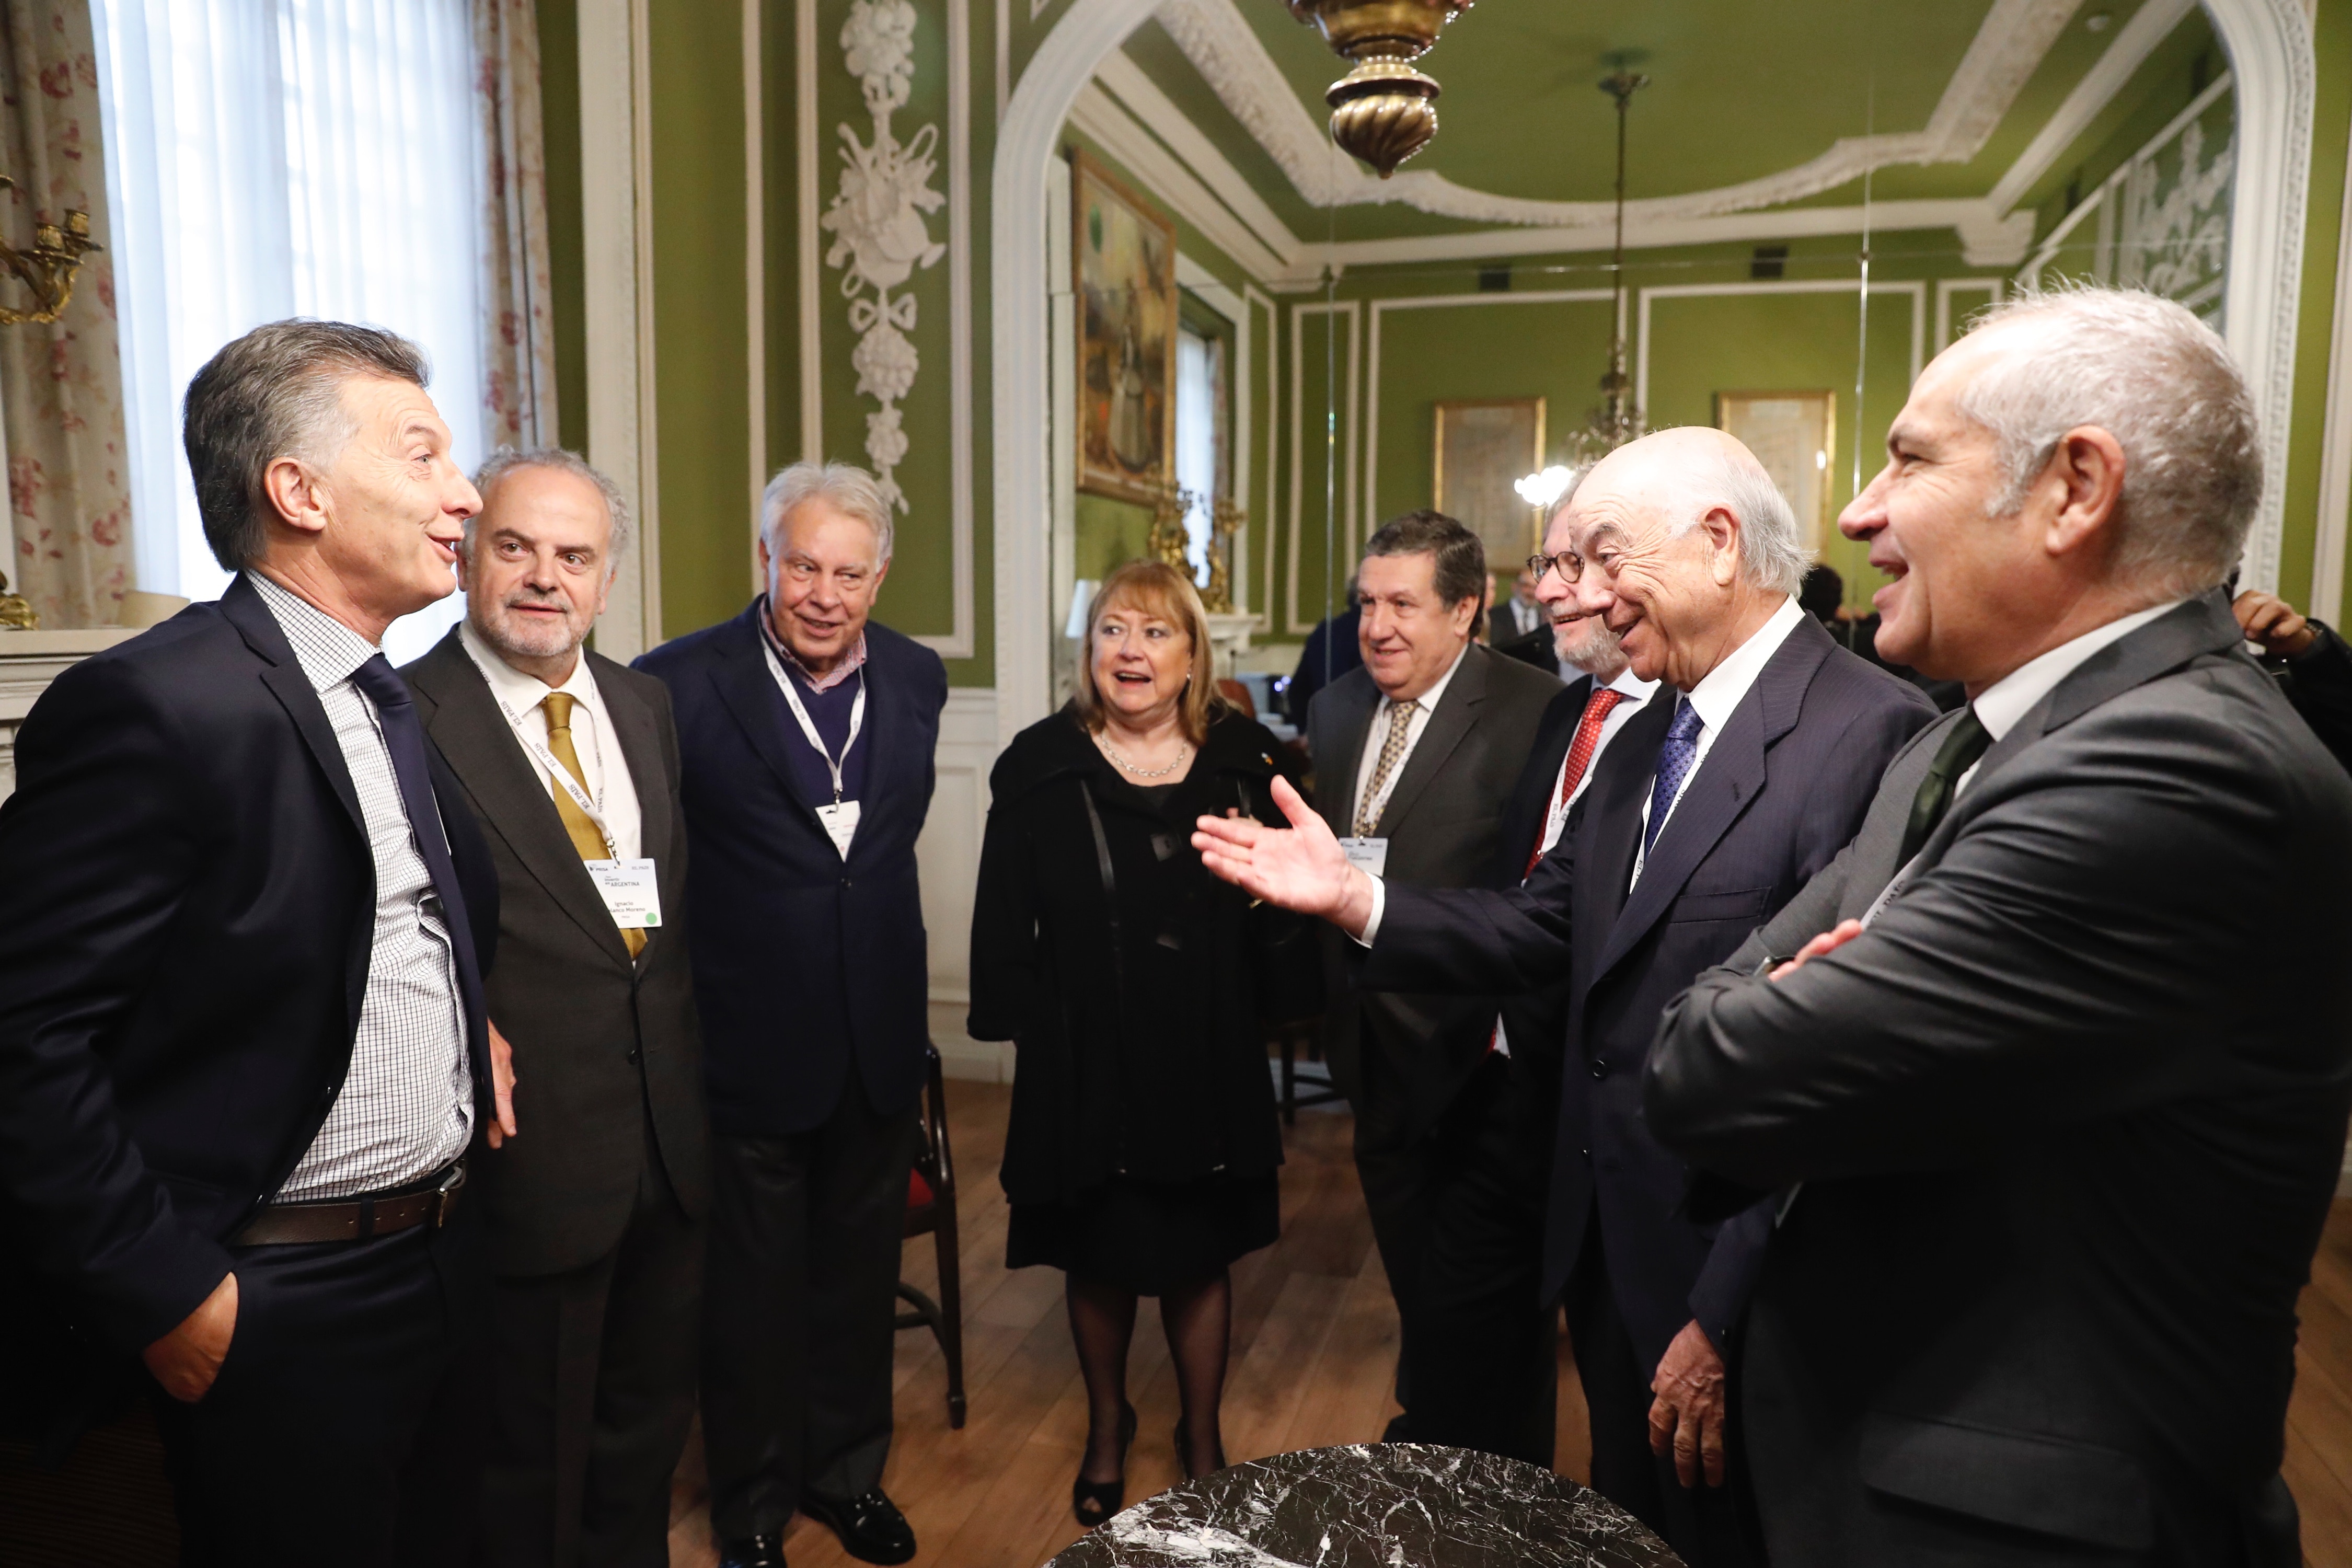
(1116,755)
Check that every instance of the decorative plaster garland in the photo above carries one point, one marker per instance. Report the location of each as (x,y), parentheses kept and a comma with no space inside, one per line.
(876,219)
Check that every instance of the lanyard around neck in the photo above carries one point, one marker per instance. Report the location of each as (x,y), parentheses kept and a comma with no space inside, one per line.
(808,726)
(591,806)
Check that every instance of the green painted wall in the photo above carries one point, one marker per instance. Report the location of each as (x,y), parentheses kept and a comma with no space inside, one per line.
(559,54)
(2323,231)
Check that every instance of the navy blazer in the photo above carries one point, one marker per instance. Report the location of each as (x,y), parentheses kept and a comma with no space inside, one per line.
(185,927)
(776,912)
(1782,790)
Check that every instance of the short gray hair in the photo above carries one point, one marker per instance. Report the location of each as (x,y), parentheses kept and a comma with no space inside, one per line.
(842,485)
(2162,383)
(507,459)
(1769,552)
(274,393)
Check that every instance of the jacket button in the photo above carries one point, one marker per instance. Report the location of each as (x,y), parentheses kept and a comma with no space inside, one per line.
(1585,1153)
(844,881)
(635,1056)
(1600,1069)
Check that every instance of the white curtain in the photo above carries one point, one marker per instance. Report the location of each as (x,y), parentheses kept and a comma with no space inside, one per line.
(286,158)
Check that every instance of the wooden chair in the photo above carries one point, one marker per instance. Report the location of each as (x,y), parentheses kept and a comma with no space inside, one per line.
(931,1209)
(1291,1037)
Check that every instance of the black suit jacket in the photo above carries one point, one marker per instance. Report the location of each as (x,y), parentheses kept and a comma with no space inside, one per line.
(803,964)
(1536,1019)
(1443,823)
(1781,792)
(2068,1116)
(601,1043)
(186,925)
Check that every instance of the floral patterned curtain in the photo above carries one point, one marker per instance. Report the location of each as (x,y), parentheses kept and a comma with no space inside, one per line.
(60,385)
(518,326)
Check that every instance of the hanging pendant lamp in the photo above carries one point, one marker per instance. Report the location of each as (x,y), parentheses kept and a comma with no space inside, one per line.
(1382,112)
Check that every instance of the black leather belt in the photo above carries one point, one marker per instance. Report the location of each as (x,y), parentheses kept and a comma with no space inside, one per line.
(356,1219)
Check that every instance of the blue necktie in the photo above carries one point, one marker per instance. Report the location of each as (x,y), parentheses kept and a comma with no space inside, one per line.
(1675,759)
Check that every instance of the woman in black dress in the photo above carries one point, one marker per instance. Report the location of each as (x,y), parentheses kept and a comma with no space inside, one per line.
(1142,1148)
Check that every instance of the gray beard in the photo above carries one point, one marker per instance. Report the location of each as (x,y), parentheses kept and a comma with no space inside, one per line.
(528,642)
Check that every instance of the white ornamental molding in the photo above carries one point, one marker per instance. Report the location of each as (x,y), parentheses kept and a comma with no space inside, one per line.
(879,231)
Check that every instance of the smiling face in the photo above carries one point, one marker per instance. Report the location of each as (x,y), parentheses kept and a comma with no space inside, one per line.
(1409,636)
(821,582)
(390,508)
(1583,639)
(1140,663)
(537,569)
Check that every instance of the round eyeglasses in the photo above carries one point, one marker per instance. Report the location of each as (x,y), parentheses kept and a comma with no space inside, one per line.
(1567,563)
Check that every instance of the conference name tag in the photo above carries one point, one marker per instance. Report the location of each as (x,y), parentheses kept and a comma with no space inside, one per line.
(840,821)
(631,894)
(1370,856)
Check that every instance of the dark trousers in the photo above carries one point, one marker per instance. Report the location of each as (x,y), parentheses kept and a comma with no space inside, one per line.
(345,1423)
(800,1301)
(593,1390)
(1708,1527)
(1484,1370)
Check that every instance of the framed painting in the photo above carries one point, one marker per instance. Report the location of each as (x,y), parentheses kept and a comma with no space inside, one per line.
(1483,447)
(1124,253)
(1794,435)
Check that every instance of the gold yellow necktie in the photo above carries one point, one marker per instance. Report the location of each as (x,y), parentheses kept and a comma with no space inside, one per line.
(586,836)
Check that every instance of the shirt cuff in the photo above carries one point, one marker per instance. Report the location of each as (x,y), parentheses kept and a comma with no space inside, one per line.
(1380,906)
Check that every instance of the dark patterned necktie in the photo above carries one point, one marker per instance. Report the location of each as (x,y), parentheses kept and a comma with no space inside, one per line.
(1675,759)
(1961,750)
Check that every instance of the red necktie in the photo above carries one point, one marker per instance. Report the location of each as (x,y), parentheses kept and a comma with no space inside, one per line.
(1579,757)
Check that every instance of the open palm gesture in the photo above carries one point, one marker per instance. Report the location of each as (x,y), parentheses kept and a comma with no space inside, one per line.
(1303,869)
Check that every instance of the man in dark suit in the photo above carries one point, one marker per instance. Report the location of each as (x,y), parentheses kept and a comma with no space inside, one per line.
(2048,1185)
(570,763)
(807,733)
(2312,662)
(1520,628)
(241,1043)
(1707,814)
(1416,754)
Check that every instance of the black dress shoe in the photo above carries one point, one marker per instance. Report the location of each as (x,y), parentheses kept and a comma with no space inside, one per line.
(871,1528)
(753,1551)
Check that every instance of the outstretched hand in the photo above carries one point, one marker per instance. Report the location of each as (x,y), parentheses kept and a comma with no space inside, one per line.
(1303,869)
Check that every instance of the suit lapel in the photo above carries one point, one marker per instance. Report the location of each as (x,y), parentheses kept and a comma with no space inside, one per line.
(874,736)
(479,746)
(1355,702)
(750,692)
(1456,712)
(242,606)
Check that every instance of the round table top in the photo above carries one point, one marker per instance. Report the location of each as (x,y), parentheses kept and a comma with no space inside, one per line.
(1389,1505)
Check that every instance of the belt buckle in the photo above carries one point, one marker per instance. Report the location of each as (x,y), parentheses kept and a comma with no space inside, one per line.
(444,1197)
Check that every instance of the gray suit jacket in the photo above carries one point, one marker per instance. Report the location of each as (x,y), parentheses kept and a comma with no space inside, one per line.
(601,1045)
(1442,823)
(2068,1118)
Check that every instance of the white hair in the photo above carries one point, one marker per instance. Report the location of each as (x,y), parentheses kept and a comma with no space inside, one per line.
(1770,554)
(845,487)
(507,459)
(2148,371)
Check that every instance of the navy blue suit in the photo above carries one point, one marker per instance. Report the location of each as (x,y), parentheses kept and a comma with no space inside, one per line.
(775,910)
(811,978)
(1782,791)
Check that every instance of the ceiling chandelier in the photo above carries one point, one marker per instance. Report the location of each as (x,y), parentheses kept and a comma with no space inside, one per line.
(1617,420)
(1383,111)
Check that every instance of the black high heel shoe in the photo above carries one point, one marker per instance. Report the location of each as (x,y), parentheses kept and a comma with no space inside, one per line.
(1184,1452)
(1091,1502)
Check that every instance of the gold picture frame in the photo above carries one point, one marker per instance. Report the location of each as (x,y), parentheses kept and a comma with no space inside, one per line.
(1123,260)
(1794,435)
(1485,445)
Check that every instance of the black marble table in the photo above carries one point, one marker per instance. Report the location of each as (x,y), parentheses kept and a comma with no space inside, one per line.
(1391,1505)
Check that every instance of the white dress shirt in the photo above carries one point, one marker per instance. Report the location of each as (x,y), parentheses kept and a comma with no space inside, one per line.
(2000,705)
(604,769)
(1718,697)
(1376,737)
(406,1107)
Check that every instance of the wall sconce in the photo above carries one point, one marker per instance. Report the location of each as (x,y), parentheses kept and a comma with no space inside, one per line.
(48,268)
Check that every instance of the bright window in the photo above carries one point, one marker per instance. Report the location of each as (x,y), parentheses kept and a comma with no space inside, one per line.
(274,158)
(1200,438)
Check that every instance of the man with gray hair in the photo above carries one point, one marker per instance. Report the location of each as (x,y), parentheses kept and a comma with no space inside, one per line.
(807,731)
(243,1052)
(2049,1067)
(1708,810)
(570,763)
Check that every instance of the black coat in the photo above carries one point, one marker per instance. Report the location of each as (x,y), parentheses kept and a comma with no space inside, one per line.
(808,970)
(1137,1011)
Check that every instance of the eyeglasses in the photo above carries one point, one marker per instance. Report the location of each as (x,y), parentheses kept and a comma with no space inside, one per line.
(1567,563)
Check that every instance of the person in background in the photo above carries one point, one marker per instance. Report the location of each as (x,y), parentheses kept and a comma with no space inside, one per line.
(1518,616)
(2313,661)
(1142,1154)
(807,732)
(1329,652)
(243,1051)
(570,763)
(1822,595)
(1415,755)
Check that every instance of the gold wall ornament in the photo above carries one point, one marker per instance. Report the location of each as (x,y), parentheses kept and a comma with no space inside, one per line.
(47,269)
(1225,521)
(1168,540)
(16,612)
(1382,112)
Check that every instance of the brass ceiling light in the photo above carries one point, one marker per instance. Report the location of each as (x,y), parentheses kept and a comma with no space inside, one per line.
(1383,111)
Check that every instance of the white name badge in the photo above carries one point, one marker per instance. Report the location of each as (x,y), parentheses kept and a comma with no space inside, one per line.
(631,893)
(840,821)
(1370,856)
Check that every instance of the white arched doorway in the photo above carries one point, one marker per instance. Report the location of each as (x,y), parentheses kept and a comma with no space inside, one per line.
(2270,47)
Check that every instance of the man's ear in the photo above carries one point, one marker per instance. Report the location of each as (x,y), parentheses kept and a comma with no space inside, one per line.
(296,496)
(1722,529)
(2088,467)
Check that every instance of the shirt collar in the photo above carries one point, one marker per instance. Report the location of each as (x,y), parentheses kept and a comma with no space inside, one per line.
(519,691)
(2000,705)
(1718,694)
(851,662)
(1630,685)
(327,650)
